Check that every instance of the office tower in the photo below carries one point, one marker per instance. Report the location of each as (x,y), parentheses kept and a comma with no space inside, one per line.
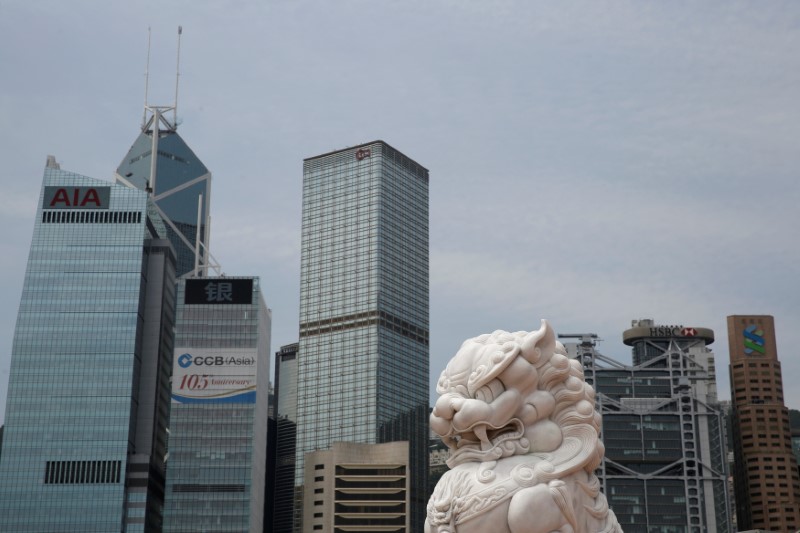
(179,183)
(286,440)
(88,397)
(664,467)
(357,487)
(795,442)
(438,454)
(220,388)
(363,355)
(766,479)
(726,408)
(269,483)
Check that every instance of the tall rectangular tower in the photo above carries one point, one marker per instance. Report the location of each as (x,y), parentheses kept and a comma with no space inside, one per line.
(765,479)
(286,439)
(220,389)
(363,354)
(88,399)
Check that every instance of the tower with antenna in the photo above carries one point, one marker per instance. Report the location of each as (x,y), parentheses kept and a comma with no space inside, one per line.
(161,163)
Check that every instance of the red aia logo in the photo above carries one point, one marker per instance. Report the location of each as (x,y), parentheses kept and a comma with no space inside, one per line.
(688,332)
(76,197)
(363,153)
(81,197)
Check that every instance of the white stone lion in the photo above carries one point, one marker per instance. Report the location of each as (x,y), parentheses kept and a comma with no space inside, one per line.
(521,425)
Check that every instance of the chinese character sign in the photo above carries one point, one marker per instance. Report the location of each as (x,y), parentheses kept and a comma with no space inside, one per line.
(218,291)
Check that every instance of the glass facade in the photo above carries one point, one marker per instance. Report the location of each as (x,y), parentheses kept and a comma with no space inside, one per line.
(88,398)
(286,428)
(180,180)
(220,388)
(664,467)
(363,352)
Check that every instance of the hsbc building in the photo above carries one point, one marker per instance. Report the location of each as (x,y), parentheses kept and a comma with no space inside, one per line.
(664,466)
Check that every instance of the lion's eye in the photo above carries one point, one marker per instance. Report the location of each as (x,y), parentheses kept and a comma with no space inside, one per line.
(490,391)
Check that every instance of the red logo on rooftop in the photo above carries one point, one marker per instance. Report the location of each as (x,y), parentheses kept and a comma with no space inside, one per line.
(363,153)
(688,332)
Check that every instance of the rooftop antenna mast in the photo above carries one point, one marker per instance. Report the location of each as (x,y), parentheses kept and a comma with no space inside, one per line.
(177,79)
(155,122)
(146,79)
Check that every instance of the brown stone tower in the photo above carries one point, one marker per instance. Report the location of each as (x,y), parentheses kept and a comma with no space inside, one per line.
(766,478)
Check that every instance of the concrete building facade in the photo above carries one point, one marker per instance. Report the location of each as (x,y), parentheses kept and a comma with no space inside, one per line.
(358,487)
(766,477)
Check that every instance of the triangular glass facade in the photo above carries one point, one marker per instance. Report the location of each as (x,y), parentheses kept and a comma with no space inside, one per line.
(180,180)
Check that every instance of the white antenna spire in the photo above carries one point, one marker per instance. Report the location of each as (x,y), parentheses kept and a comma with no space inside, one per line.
(177,78)
(146,79)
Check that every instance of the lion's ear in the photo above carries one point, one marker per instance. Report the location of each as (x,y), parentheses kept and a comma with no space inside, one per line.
(541,342)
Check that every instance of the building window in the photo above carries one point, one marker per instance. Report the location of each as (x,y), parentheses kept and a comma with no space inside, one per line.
(81,472)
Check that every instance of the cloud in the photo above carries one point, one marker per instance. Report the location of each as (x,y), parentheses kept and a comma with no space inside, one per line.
(591,162)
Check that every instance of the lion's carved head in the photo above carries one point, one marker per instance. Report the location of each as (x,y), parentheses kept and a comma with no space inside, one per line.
(507,393)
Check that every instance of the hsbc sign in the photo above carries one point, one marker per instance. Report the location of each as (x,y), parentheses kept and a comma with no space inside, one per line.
(672,331)
(76,197)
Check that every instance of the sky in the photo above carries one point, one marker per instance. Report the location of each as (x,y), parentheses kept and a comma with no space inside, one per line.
(590,162)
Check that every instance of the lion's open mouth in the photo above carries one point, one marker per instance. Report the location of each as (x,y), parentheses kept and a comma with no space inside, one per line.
(487,436)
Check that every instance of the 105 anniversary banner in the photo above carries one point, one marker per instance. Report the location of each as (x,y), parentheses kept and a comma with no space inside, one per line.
(201,375)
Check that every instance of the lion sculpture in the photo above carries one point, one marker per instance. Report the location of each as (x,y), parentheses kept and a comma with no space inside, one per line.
(522,429)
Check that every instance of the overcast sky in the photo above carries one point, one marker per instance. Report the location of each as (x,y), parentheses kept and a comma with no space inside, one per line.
(591,162)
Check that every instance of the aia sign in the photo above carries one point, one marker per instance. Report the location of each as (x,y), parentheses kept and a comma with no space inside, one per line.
(363,153)
(76,197)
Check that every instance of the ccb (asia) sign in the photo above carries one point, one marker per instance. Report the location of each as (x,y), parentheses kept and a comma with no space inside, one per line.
(214,376)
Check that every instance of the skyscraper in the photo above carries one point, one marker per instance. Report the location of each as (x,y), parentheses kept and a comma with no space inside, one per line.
(218,426)
(363,354)
(88,399)
(765,478)
(180,185)
(664,468)
(286,439)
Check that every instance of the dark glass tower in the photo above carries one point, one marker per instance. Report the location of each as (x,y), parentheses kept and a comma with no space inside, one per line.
(285,443)
(180,185)
(88,399)
(363,354)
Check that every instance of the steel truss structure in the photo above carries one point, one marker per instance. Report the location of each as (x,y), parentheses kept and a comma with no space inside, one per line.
(664,468)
